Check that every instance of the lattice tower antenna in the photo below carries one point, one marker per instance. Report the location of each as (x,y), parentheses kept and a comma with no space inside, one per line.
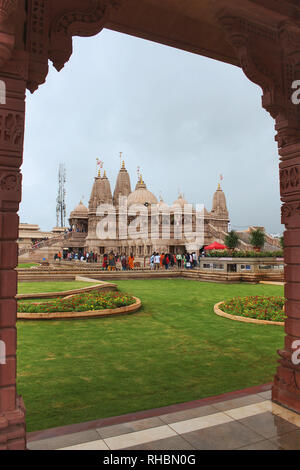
(61,197)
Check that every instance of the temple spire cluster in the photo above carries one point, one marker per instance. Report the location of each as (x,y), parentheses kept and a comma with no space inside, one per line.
(215,222)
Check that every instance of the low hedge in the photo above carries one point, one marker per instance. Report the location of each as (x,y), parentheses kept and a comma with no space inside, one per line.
(244,254)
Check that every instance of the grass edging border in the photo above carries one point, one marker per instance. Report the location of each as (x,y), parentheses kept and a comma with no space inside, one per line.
(220,312)
(81,315)
(100,286)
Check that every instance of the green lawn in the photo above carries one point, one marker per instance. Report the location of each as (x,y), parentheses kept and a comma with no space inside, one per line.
(51,286)
(174,349)
(27,265)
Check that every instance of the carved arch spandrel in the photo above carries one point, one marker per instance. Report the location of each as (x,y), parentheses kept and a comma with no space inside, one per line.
(78,22)
(269,57)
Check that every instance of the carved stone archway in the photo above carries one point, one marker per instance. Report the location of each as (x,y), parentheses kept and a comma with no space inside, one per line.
(260,36)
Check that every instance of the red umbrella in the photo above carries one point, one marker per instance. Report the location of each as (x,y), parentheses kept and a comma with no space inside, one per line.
(215,246)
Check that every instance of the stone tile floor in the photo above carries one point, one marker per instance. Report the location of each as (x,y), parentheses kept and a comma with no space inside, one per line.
(248,422)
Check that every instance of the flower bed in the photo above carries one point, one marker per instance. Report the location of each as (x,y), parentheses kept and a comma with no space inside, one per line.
(243,254)
(92,301)
(259,308)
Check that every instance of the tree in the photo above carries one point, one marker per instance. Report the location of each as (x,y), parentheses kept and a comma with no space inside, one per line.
(282,241)
(232,240)
(257,239)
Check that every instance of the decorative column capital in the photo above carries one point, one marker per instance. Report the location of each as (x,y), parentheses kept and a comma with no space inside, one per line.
(8,9)
(86,22)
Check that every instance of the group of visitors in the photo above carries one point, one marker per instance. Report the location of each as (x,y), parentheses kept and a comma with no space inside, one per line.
(117,262)
(89,257)
(39,243)
(77,229)
(112,262)
(170,260)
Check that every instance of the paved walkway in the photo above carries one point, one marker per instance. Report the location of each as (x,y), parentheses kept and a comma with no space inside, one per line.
(241,420)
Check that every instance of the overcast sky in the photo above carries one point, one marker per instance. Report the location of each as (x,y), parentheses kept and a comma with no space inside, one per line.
(184,119)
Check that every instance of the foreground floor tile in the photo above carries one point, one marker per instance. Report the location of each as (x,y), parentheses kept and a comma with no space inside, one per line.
(140,437)
(268,425)
(227,436)
(188,414)
(171,443)
(250,410)
(132,426)
(64,441)
(200,423)
(263,445)
(239,402)
(94,445)
(289,441)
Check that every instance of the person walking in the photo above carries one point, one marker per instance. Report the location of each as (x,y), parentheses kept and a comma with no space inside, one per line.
(156,261)
(111,261)
(178,259)
(172,261)
(131,261)
(166,261)
(104,264)
(152,261)
(118,263)
(161,259)
(124,262)
(187,261)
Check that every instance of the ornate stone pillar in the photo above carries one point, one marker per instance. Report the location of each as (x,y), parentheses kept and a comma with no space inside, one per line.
(286,388)
(270,57)
(13,78)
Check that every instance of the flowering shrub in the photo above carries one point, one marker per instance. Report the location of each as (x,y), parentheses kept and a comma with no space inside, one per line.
(259,307)
(244,254)
(79,303)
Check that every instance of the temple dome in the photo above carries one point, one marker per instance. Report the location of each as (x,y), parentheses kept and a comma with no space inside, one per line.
(80,211)
(180,201)
(163,206)
(141,195)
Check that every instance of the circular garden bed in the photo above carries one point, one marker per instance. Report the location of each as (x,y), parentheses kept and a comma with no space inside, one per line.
(253,309)
(91,304)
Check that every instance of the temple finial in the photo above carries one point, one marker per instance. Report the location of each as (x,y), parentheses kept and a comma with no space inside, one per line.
(100,165)
(219,184)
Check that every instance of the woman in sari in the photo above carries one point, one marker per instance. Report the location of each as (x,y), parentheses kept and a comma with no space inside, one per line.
(131,261)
